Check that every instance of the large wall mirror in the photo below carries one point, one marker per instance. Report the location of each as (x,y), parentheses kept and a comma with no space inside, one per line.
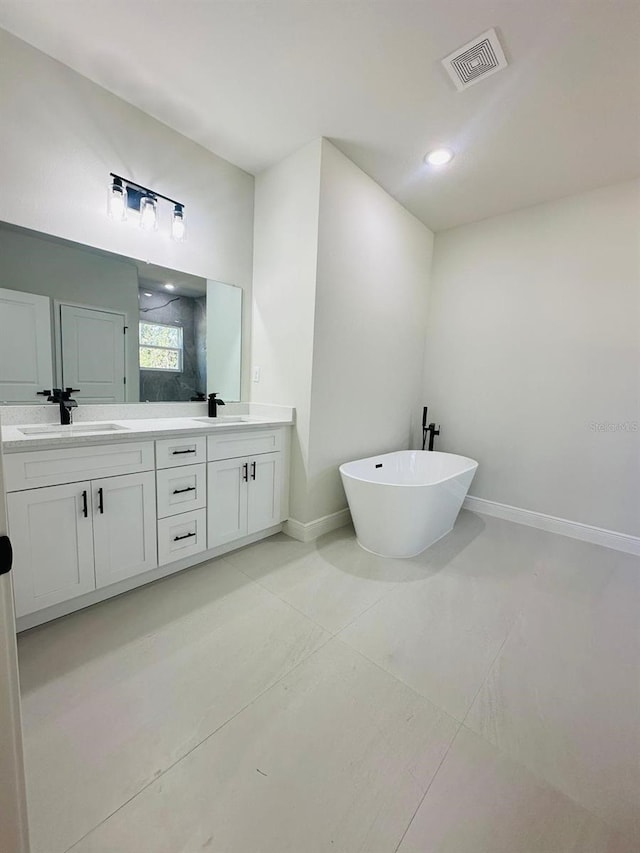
(117,329)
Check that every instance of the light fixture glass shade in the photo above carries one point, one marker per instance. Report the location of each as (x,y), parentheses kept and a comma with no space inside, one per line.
(148,213)
(117,200)
(177,223)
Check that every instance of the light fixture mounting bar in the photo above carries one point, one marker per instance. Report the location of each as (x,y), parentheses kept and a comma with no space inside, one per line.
(145,190)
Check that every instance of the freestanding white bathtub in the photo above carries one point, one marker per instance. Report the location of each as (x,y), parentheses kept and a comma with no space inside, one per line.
(403,502)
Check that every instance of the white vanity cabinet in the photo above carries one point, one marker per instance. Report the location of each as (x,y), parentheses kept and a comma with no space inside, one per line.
(75,537)
(71,539)
(52,541)
(244,491)
(124,527)
(94,520)
(182,498)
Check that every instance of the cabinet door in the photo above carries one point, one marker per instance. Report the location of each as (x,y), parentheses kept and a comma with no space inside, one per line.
(124,526)
(227,501)
(53,544)
(264,491)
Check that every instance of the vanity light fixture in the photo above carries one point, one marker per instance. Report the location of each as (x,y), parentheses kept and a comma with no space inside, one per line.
(439,157)
(177,223)
(149,213)
(125,195)
(117,199)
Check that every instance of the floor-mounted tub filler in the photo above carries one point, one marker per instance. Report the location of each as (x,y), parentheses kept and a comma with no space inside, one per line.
(403,502)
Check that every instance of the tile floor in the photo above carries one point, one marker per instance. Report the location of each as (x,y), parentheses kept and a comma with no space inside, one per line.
(483,697)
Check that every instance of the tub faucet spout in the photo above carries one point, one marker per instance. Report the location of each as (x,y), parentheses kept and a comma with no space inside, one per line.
(433,432)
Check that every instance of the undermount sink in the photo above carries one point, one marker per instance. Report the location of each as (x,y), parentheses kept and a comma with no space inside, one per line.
(71,429)
(221,421)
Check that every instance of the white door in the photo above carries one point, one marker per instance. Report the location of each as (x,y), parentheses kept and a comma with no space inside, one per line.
(93,345)
(264,492)
(26,360)
(52,539)
(13,799)
(124,526)
(227,500)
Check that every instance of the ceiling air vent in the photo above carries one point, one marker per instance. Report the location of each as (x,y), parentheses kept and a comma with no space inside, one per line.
(479,58)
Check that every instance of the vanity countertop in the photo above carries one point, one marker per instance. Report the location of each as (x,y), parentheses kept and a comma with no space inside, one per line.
(22,437)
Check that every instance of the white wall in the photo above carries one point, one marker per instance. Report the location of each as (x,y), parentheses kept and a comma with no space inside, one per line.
(284,284)
(340,286)
(374,261)
(533,338)
(61,135)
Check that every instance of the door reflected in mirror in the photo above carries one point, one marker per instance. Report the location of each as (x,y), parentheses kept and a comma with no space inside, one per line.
(118,329)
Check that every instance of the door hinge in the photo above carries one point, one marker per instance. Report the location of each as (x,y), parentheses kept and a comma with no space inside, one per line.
(124,330)
(6,555)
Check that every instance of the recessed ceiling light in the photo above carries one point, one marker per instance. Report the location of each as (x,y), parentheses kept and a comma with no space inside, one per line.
(439,157)
(169,286)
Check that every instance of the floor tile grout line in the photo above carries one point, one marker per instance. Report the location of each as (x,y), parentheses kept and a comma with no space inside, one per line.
(336,636)
(387,592)
(543,781)
(393,586)
(488,672)
(287,603)
(404,684)
(258,696)
(428,788)
(203,741)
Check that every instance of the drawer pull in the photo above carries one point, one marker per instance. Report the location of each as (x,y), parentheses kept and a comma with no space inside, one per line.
(85,507)
(188,489)
(181,452)
(186,536)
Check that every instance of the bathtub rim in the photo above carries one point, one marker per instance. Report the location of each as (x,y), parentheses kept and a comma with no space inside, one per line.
(472,466)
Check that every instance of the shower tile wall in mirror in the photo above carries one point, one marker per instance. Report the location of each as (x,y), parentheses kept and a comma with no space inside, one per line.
(117,329)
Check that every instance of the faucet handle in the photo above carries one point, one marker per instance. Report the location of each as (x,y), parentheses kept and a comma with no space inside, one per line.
(46,393)
(71,391)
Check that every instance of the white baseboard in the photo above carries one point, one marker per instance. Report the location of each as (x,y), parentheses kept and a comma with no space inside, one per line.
(313,529)
(574,529)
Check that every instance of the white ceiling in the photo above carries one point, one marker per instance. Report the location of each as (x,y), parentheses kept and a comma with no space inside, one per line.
(253,80)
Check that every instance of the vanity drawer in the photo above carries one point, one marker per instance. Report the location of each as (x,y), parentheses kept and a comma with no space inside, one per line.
(181,489)
(181,536)
(36,468)
(250,443)
(172,452)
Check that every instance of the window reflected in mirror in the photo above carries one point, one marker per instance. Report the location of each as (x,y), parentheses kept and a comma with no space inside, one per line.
(119,329)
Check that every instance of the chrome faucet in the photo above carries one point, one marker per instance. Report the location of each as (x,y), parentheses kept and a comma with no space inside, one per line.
(64,400)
